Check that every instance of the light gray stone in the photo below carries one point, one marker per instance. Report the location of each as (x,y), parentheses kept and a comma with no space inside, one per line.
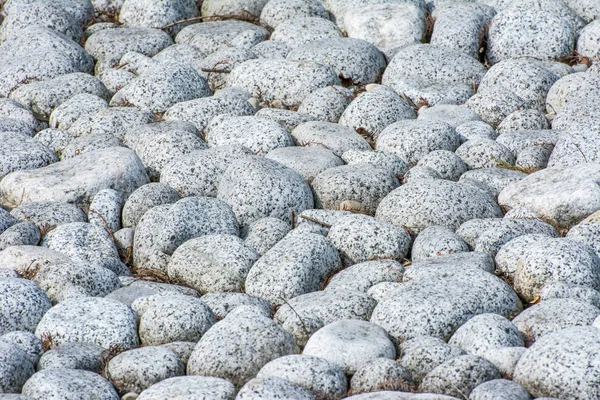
(105,210)
(164,228)
(20,234)
(209,37)
(265,233)
(301,31)
(74,355)
(382,374)
(273,387)
(15,368)
(144,198)
(524,120)
(558,364)
(361,185)
(422,354)
(362,276)
(296,265)
(331,136)
(269,190)
(459,376)
(328,103)
(223,303)
(499,389)
(360,238)
(138,369)
(275,12)
(68,383)
(212,263)
(350,344)
(141,13)
(26,341)
(553,315)
(321,377)
(23,304)
(413,140)
(372,111)
(505,359)
(435,241)
(237,347)
(186,387)
(22,152)
(424,203)
(562,290)
(440,301)
(377,158)
(307,161)
(286,81)
(96,320)
(484,332)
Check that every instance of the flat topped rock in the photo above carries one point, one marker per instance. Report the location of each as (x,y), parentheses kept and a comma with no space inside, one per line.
(76,180)
(564,194)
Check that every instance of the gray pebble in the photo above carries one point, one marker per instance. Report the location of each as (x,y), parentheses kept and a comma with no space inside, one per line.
(74,355)
(350,344)
(113,120)
(484,332)
(475,129)
(271,80)
(23,304)
(223,303)
(149,14)
(524,120)
(96,320)
(237,347)
(355,187)
(377,158)
(492,180)
(19,234)
(27,342)
(435,241)
(277,11)
(288,119)
(452,114)
(22,152)
(413,140)
(372,111)
(65,114)
(296,265)
(162,86)
(382,374)
(331,136)
(493,106)
(68,383)
(137,369)
(198,387)
(440,301)
(307,161)
(557,365)
(144,198)
(328,103)
(265,233)
(15,368)
(362,276)
(459,376)
(164,228)
(553,315)
(423,203)
(360,238)
(209,37)
(273,388)
(87,143)
(323,378)
(212,263)
(105,210)
(269,190)
(505,359)
(298,32)
(561,290)
(422,354)
(258,134)
(499,389)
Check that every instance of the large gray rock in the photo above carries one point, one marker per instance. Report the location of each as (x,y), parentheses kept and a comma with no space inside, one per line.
(144,198)
(212,263)
(137,369)
(273,388)
(350,343)
(484,332)
(68,383)
(439,301)
(183,387)
(20,152)
(211,36)
(38,53)
(323,378)
(424,353)
(296,265)
(566,195)
(199,172)
(151,14)
(75,355)
(105,322)
(560,364)
(172,318)
(23,305)
(422,203)
(162,86)
(304,30)
(237,347)
(164,228)
(288,82)
(76,180)
(256,187)
(15,368)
